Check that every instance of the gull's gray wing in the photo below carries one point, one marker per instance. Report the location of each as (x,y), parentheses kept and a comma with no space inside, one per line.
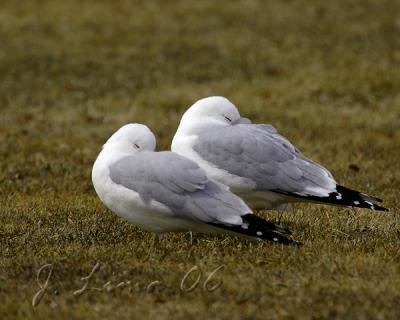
(259,153)
(183,187)
(180,184)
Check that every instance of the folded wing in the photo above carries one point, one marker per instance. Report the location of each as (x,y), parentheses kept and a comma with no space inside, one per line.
(182,186)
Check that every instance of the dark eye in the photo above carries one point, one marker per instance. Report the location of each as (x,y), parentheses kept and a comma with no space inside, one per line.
(136,146)
(228,119)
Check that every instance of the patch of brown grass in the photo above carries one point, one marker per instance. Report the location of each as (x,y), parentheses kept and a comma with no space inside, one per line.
(71,73)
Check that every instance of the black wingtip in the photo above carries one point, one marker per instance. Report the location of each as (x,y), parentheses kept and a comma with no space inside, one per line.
(257,221)
(357,199)
(260,229)
(342,197)
(277,238)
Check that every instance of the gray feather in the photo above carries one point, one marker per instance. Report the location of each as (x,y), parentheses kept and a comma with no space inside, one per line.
(258,153)
(178,183)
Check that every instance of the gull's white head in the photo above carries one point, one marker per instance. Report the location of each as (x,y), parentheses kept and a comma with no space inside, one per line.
(208,112)
(132,138)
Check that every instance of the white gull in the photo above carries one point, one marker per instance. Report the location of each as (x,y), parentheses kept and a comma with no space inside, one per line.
(165,192)
(256,162)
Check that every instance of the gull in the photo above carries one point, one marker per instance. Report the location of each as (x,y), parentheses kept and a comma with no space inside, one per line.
(165,192)
(255,162)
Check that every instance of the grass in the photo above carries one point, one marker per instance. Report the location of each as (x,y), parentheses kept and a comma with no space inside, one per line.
(326,74)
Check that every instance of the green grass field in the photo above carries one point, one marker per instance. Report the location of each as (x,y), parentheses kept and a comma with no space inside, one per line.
(326,74)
